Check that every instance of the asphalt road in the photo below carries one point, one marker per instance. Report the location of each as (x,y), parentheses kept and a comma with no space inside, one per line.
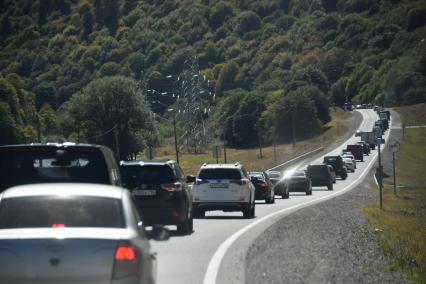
(216,251)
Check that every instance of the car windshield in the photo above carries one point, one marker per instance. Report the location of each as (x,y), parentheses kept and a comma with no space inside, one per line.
(60,211)
(29,166)
(220,174)
(147,174)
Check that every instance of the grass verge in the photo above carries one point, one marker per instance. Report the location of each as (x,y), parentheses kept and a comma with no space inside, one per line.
(401,226)
(250,158)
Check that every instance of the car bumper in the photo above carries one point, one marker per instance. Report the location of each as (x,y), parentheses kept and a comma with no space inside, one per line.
(163,216)
(222,206)
(297,188)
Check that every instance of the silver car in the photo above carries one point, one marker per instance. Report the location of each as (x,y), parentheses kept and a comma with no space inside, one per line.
(72,233)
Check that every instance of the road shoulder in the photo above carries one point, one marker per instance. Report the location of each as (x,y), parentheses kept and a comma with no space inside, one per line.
(326,243)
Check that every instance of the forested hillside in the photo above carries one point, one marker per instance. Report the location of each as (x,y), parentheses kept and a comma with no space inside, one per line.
(275,65)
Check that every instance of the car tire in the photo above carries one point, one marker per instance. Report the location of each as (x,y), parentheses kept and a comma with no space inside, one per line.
(330,186)
(286,195)
(197,213)
(273,199)
(185,227)
(309,192)
(249,213)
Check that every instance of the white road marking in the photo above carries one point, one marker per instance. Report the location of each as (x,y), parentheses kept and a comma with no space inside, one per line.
(214,264)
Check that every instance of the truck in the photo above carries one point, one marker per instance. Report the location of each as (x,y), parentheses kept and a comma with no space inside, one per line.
(357,151)
(385,117)
(370,138)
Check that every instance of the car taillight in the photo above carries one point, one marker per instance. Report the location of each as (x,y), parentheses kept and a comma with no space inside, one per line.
(201,181)
(125,253)
(126,262)
(177,186)
(58,225)
(239,181)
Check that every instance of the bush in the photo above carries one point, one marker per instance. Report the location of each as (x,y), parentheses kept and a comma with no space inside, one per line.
(416,18)
(247,21)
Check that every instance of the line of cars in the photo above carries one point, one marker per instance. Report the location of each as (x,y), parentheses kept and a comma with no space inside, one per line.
(71,206)
(64,218)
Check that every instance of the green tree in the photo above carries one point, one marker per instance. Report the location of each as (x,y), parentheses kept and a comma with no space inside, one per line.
(219,13)
(111,105)
(87,14)
(247,21)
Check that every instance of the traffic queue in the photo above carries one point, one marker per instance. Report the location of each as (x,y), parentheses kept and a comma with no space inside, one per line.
(68,203)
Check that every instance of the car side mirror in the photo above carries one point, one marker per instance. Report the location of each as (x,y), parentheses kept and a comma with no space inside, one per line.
(190,179)
(158,233)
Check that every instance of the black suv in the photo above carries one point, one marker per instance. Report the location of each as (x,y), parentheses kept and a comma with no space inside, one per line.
(264,189)
(53,162)
(320,175)
(338,165)
(160,192)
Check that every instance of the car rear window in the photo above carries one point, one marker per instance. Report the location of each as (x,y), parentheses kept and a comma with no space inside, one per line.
(219,174)
(274,175)
(317,169)
(61,211)
(298,174)
(29,166)
(147,174)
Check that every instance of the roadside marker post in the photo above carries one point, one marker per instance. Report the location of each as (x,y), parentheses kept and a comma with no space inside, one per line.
(394,148)
(380,141)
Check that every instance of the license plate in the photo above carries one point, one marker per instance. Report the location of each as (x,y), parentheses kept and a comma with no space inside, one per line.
(139,192)
(218,185)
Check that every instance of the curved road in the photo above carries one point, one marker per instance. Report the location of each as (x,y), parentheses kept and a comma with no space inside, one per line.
(202,256)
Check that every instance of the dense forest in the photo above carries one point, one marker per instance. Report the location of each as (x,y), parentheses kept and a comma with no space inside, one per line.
(79,70)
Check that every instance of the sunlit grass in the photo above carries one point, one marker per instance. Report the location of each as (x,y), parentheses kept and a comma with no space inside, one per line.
(401,226)
(250,158)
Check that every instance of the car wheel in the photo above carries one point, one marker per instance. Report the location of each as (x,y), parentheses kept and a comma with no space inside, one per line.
(287,195)
(273,199)
(330,186)
(309,192)
(249,212)
(184,228)
(197,213)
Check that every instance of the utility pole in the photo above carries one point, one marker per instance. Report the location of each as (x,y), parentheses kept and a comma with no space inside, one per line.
(117,146)
(176,144)
(224,151)
(394,176)
(379,170)
(259,139)
(38,123)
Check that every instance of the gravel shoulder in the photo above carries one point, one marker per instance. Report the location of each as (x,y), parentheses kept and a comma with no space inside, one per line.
(326,243)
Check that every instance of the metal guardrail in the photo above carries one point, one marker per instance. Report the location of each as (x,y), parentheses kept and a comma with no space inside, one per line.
(296,159)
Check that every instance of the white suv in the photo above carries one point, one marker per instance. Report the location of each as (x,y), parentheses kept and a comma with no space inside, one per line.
(225,187)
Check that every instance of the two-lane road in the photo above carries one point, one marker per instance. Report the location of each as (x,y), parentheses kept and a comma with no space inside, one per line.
(199,257)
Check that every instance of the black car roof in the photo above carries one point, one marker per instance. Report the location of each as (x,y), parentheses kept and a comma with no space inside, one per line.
(141,163)
(50,145)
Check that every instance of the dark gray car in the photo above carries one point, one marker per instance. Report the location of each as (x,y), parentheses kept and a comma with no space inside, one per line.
(53,162)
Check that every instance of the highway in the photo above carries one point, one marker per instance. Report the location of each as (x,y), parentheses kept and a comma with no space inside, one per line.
(203,256)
